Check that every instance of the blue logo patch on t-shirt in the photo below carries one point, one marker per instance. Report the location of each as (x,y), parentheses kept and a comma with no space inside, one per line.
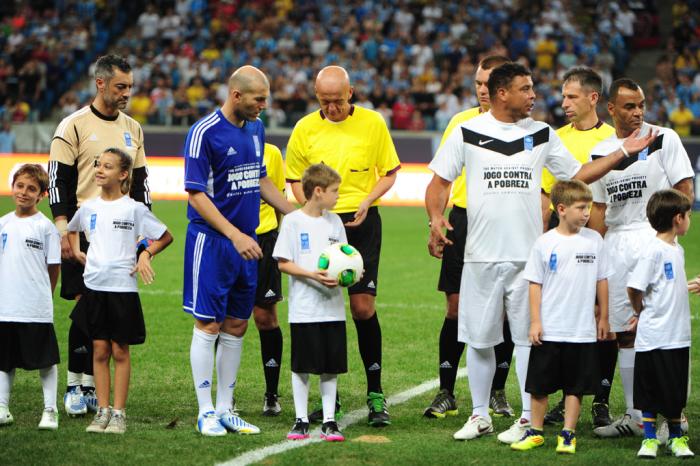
(305,244)
(127,139)
(529,142)
(553,262)
(668,270)
(643,154)
(4,240)
(93,222)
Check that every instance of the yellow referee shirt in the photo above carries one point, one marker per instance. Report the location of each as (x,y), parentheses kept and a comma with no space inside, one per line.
(275,171)
(359,148)
(459,186)
(579,143)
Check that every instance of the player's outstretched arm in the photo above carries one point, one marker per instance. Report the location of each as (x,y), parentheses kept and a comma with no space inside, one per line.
(290,268)
(593,171)
(246,246)
(436,195)
(274,197)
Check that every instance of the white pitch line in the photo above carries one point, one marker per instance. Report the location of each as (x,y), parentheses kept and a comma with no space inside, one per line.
(353,417)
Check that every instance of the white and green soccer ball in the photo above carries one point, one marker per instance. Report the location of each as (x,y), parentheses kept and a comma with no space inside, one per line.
(342,261)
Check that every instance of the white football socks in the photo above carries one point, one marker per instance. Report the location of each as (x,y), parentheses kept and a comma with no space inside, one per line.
(6,379)
(49,385)
(202,362)
(329,385)
(481,366)
(522,358)
(300,391)
(228,359)
(626,360)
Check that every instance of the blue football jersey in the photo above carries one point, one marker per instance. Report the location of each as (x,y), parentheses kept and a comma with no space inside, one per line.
(226,162)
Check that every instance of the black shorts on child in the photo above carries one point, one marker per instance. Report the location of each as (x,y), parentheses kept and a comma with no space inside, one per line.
(27,345)
(319,348)
(661,380)
(110,315)
(570,367)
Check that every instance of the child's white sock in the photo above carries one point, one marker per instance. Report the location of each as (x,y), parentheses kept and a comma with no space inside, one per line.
(522,358)
(300,391)
(202,362)
(228,358)
(481,366)
(329,385)
(49,385)
(88,381)
(6,379)
(626,359)
(75,379)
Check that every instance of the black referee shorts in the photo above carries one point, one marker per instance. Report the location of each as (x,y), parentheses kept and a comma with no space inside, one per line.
(367,239)
(453,255)
(72,283)
(269,289)
(570,367)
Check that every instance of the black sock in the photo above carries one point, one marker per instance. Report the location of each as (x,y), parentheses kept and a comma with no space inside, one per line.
(607,359)
(369,339)
(450,354)
(504,356)
(79,351)
(271,351)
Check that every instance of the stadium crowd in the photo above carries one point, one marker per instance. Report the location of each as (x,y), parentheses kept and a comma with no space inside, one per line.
(412,61)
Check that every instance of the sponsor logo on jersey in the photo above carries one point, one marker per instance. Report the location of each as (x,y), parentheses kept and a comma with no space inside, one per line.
(481,143)
(668,270)
(123,224)
(529,143)
(4,240)
(33,243)
(553,262)
(585,258)
(270,294)
(127,139)
(93,137)
(231,151)
(93,222)
(643,154)
(371,284)
(305,243)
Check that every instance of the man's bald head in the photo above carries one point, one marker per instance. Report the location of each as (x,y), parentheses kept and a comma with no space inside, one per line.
(247,78)
(334,92)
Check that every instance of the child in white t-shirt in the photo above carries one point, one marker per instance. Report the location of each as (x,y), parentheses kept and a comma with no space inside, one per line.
(110,311)
(659,295)
(30,261)
(316,305)
(567,271)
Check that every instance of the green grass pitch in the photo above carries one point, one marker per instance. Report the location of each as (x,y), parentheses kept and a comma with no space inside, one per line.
(162,408)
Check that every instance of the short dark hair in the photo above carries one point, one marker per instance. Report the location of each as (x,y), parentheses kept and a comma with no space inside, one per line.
(664,205)
(586,77)
(318,175)
(34,171)
(568,192)
(627,83)
(502,76)
(492,61)
(104,66)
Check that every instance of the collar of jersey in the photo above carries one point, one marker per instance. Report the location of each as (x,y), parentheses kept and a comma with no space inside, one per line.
(103,116)
(352,110)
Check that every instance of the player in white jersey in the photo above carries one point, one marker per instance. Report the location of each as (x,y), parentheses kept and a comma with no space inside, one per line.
(619,214)
(30,258)
(503,152)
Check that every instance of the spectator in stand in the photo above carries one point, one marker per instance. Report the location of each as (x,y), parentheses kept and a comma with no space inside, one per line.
(7,138)
(417,122)
(682,118)
(140,106)
(182,112)
(402,111)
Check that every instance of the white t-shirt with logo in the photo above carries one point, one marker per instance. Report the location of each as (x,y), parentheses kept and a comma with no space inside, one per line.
(626,189)
(113,228)
(568,268)
(301,240)
(503,163)
(27,246)
(665,319)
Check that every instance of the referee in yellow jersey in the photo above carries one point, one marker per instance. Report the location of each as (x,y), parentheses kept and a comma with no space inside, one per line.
(450,350)
(356,143)
(581,90)
(269,290)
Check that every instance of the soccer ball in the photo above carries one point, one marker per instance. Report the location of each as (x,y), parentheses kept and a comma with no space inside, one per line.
(342,261)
